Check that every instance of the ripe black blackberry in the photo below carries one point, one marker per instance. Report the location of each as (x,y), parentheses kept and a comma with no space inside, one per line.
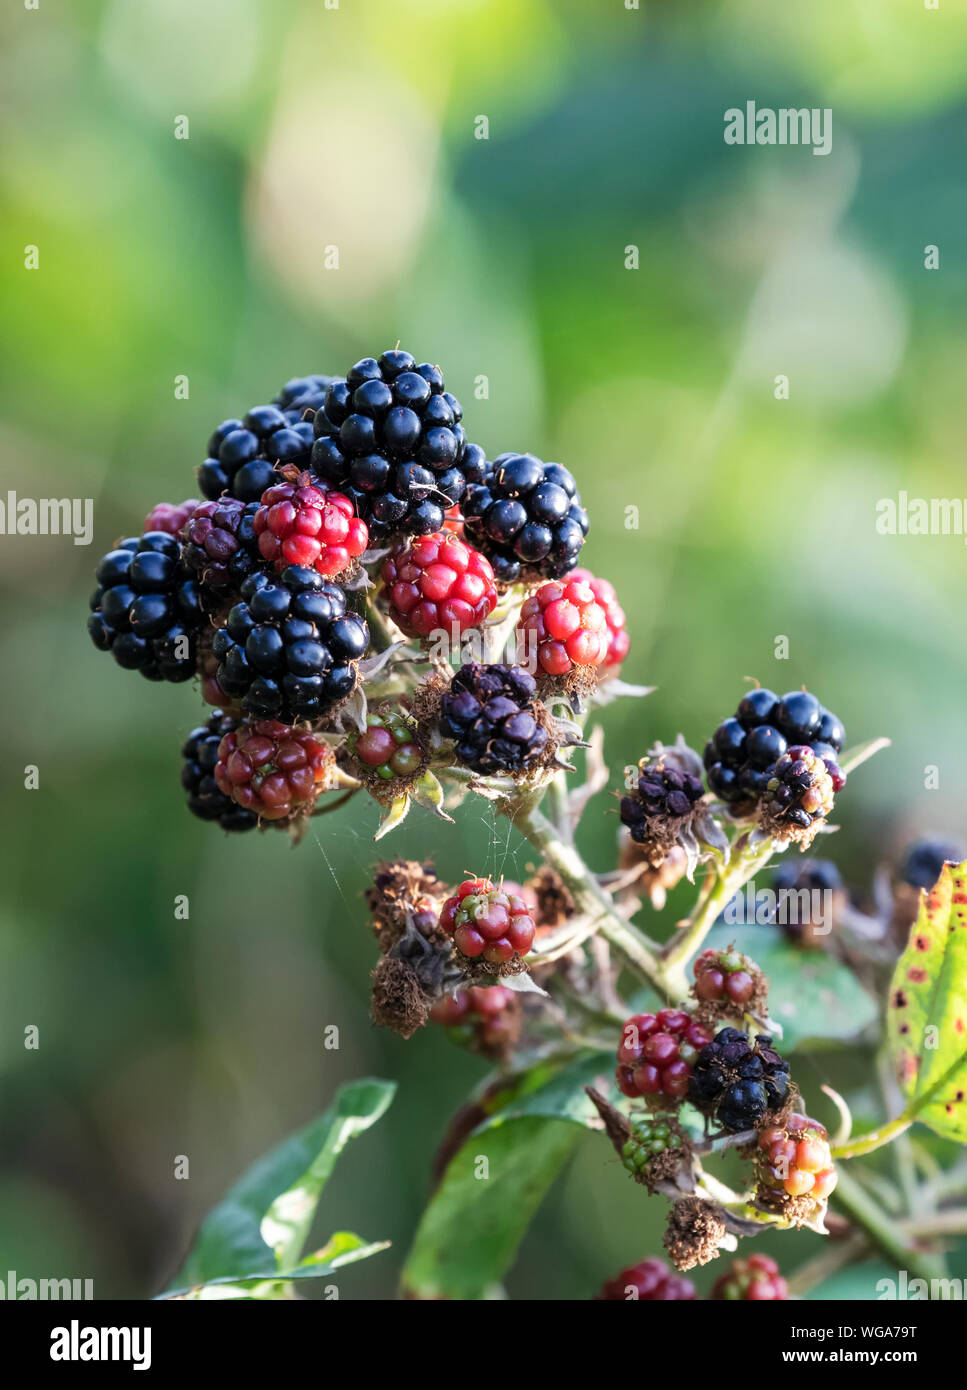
(493,714)
(740,756)
(923,861)
(221,548)
(289,650)
(809,895)
(737,1079)
(662,794)
(242,454)
(526,516)
(390,438)
(205,799)
(145,610)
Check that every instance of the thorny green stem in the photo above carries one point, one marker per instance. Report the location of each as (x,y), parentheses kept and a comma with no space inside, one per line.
(720,887)
(588,894)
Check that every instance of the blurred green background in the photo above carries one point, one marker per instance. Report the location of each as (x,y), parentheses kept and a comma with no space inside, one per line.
(502,258)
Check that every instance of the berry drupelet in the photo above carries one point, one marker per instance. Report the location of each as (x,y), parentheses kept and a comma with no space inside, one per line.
(619,642)
(298,524)
(485,921)
(752,1280)
(493,714)
(200,756)
(562,626)
(145,610)
(526,517)
(738,1079)
(650,1281)
(438,584)
(741,754)
(170,516)
(272,769)
(389,436)
(657,1052)
(289,650)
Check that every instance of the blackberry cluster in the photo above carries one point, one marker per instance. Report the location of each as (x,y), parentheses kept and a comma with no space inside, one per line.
(651,1135)
(741,754)
(662,794)
(389,436)
(388,747)
(737,1079)
(657,1052)
(526,515)
(220,546)
(651,1281)
(923,861)
(799,792)
(242,454)
(486,921)
(491,712)
(145,610)
(289,650)
(753,1280)
(794,1166)
(200,755)
(806,922)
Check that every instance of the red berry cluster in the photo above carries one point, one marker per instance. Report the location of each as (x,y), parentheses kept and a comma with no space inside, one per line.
(486,921)
(438,584)
(753,1280)
(272,769)
(488,1012)
(656,1053)
(618,639)
(795,1159)
(723,975)
(562,626)
(298,524)
(652,1281)
(170,516)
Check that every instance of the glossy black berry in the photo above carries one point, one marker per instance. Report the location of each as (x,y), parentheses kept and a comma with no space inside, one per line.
(289,649)
(493,714)
(243,454)
(742,753)
(389,436)
(146,609)
(199,756)
(923,861)
(526,515)
(736,1079)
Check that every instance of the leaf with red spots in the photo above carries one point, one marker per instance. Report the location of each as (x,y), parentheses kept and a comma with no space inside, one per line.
(927,1011)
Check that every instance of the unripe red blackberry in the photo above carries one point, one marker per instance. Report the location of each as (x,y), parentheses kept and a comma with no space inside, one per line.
(651,1281)
(389,747)
(656,1054)
(618,639)
(727,985)
(272,769)
(488,923)
(170,516)
(438,584)
(487,1019)
(299,524)
(752,1280)
(562,626)
(794,1168)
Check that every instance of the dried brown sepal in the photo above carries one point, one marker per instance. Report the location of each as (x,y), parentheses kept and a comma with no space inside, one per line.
(645,877)
(694,1232)
(405,891)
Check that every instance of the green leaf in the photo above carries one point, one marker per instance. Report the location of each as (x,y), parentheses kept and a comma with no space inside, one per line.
(281,1189)
(927,1013)
(811,994)
(851,758)
(343,1248)
(492,1187)
(473,1225)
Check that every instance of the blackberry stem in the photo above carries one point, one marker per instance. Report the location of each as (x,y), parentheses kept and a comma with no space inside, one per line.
(588,894)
